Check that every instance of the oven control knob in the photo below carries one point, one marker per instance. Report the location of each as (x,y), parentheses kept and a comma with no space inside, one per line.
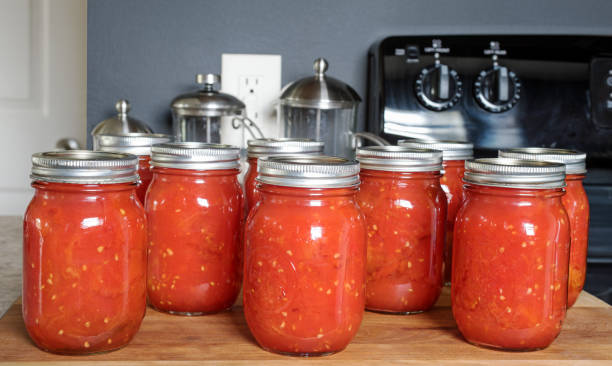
(438,87)
(497,89)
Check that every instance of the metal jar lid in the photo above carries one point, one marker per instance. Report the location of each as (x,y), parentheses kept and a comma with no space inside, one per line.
(208,101)
(399,159)
(84,167)
(575,161)
(195,156)
(319,91)
(130,143)
(283,146)
(308,171)
(514,173)
(451,150)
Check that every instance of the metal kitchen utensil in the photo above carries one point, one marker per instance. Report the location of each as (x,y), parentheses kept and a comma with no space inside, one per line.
(121,123)
(324,109)
(198,116)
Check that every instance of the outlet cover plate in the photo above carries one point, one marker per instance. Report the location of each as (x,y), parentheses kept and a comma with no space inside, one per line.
(256,80)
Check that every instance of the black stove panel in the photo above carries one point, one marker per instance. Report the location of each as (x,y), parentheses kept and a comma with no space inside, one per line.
(506,91)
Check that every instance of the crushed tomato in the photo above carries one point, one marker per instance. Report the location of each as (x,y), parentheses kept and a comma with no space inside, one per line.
(195,256)
(84,267)
(405,215)
(510,267)
(452,185)
(577,207)
(304,269)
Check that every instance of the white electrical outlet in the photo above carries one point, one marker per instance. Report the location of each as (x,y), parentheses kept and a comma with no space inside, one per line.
(256,81)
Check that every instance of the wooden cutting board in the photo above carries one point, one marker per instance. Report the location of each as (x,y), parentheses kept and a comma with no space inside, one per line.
(224,339)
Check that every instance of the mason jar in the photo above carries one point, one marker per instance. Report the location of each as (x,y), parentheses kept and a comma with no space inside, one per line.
(305,256)
(259,148)
(194,208)
(405,210)
(511,254)
(138,144)
(454,155)
(576,204)
(84,252)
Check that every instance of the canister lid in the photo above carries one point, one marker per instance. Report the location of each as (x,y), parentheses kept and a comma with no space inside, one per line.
(207,102)
(399,159)
(308,171)
(575,161)
(121,122)
(84,167)
(195,156)
(513,173)
(282,146)
(319,91)
(451,150)
(130,143)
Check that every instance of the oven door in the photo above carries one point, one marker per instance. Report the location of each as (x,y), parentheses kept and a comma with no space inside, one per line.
(599,260)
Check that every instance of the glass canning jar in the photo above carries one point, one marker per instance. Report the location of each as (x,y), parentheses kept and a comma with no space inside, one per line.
(405,211)
(195,210)
(84,252)
(454,155)
(511,254)
(576,204)
(305,256)
(138,144)
(270,147)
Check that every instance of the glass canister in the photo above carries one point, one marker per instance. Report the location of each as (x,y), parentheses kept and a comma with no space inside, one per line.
(84,252)
(138,144)
(305,256)
(511,254)
(194,208)
(405,209)
(454,155)
(199,116)
(324,109)
(576,204)
(269,147)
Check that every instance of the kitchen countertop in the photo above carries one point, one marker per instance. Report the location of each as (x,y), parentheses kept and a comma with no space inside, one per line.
(224,338)
(430,337)
(10,260)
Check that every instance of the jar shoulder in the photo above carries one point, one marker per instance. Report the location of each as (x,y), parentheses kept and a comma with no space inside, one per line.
(84,209)
(199,191)
(517,215)
(310,211)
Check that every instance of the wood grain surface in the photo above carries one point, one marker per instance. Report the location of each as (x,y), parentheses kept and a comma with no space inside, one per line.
(224,339)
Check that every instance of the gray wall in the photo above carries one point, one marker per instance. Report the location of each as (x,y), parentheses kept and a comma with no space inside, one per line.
(148,51)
